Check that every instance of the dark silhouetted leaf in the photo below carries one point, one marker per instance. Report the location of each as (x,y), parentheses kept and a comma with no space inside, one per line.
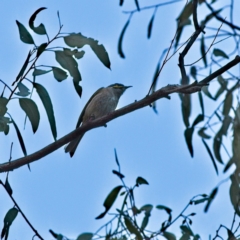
(23,68)
(167,209)
(58,236)
(147,209)
(225,126)
(120,41)
(110,200)
(140,181)
(8,187)
(40,29)
(23,90)
(201,102)
(202,134)
(25,36)
(3,106)
(59,74)
(217,141)
(211,15)
(229,164)
(78,40)
(116,157)
(132,229)
(121,2)
(38,72)
(203,51)
(150,26)
(85,236)
(198,119)
(186,229)
(186,107)
(186,13)
(227,104)
(193,72)
(121,176)
(41,49)
(20,139)
(200,200)
(210,154)
(188,133)
(68,62)
(169,236)
(219,53)
(31,110)
(211,197)
(47,103)
(78,88)
(8,220)
(234,191)
(207,93)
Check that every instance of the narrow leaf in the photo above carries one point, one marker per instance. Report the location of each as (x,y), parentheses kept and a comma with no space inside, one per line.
(41,49)
(25,36)
(186,108)
(40,29)
(31,110)
(120,51)
(217,142)
(116,157)
(78,88)
(219,53)
(210,154)
(131,228)
(8,187)
(197,120)
(20,139)
(140,181)
(47,103)
(59,74)
(85,236)
(202,134)
(211,197)
(227,103)
(150,26)
(203,51)
(110,200)
(201,102)
(120,175)
(162,207)
(38,72)
(188,133)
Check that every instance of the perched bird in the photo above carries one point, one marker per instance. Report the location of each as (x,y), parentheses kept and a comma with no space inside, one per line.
(102,102)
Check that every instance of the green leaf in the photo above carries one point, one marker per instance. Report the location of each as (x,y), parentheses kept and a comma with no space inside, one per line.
(217,142)
(38,72)
(25,36)
(41,49)
(140,181)
(186,13)
(211,197)
(58,236)
(78,88)
(116,157)
(197,120)
(59,74)
(225,125)
(201,102)
(202,134)
(3,106)
(120,51)
(188,133)
(120,175)
(47,103)
(186,108)
(20,139)
(23,90)
(110,200)
(211,15)
(23,67)
(200,200)
(132,229)
(234,191)
(203,51)
(187,230)
(150,26)
(207,93)
(169,236)
(210,154)
(78,40)
(162,207)
(68,62)
(40,29)
(227,103)
(8,220)
(193,72)
(4,127)
(219,53)
(31,110)
(85,236)
(8,187)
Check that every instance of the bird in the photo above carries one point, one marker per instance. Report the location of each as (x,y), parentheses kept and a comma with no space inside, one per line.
(101,103)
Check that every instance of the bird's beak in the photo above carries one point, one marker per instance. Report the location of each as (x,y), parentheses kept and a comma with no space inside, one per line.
(127,87)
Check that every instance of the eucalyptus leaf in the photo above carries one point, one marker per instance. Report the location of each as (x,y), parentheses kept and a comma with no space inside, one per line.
(41,28)
(25,36)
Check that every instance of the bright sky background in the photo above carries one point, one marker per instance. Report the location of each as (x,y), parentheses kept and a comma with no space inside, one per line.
(65,194)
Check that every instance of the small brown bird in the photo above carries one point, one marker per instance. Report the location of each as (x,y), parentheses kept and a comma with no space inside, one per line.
(102,102)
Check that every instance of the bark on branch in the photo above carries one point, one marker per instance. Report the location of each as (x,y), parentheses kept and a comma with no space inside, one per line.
(146,101)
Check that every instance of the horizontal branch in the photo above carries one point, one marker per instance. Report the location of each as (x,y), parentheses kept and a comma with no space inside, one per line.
(146,101)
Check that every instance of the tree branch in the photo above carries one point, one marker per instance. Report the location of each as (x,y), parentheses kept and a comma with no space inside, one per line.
(146,101)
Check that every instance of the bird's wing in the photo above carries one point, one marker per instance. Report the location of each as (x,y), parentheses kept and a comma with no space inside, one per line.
(83,111)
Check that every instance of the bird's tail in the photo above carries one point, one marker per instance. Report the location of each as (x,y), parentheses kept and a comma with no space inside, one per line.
(72,146)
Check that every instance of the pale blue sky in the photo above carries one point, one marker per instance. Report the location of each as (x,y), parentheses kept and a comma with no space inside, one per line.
(65,194)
